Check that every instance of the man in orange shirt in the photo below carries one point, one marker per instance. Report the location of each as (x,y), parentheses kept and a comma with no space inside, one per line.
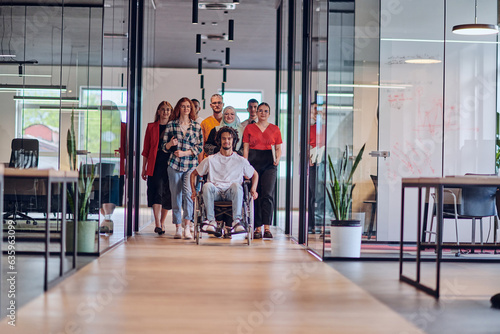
(211,122)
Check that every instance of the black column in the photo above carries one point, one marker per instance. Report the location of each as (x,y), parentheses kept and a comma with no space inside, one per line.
(131,115)
(138,110)
(304,119)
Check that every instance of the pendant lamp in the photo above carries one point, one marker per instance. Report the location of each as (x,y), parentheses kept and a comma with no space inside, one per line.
(475,29)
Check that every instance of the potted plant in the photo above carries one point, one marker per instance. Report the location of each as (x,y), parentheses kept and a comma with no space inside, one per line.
(86,229)
(345,232)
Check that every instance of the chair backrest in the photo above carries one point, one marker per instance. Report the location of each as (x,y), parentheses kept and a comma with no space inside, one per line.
(478,201)
(24,153)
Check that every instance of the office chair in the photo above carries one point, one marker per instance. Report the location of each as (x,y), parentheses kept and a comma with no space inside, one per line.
(24,153)
(21,195)
(374,207)
(469,202)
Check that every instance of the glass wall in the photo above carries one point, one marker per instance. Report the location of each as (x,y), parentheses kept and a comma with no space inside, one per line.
(282,120)
(422,99)
(149,102)
(317,128)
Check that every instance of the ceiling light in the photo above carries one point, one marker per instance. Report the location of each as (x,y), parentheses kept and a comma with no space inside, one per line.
(367,86)
(423,60)
(227,56)
(195,12)
(46,98)
(115,35)
(475,28)
(214,61)
(217,5)
(214,37)
(198,43)
(200,66)
(231,30)
(26,75)
(8,54)
(8,87)
(202,83)
(224,74)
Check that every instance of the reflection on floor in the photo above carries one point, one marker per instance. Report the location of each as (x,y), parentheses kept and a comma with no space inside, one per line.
(29,277)
(464,306)
(156,284)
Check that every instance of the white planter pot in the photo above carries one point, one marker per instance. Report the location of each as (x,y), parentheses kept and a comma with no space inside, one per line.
(346,241)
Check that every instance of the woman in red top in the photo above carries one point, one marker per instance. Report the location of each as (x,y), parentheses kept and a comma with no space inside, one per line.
(154,167)
(258,140)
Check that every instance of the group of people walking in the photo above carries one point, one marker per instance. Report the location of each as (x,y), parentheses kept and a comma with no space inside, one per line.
(176,143)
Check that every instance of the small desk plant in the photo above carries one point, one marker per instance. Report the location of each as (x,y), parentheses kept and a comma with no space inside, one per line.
(86,229)
(346,233)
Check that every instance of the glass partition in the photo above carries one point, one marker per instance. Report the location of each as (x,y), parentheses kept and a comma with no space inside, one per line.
(317,129)
(282,120)
(422,99)
(50,56)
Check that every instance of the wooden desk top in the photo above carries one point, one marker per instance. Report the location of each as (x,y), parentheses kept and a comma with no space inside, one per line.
(473,180)
(40,173)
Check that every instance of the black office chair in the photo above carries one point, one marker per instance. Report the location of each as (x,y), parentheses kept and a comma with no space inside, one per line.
(374,207)
(24,153)
(469,202)
(21,195)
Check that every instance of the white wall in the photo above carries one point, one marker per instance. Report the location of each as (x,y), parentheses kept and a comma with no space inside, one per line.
(161,84)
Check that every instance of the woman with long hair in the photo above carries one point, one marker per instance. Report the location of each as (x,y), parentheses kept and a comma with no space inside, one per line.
(229,119)
(184,138)
(154,166)
(258,141)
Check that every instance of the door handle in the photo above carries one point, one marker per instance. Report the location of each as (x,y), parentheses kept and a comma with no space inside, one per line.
(380,154)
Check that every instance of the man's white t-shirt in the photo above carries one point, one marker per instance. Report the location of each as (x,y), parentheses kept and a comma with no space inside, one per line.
(224,171)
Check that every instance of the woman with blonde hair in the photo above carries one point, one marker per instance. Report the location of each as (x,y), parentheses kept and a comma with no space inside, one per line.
(229,119)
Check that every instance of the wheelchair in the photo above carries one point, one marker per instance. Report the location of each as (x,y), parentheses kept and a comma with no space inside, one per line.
(224,214)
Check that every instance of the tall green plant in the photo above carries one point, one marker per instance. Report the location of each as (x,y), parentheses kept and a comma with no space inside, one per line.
(340,188)
(85,178)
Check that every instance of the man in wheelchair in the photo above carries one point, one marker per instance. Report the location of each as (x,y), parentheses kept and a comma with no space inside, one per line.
(225,171)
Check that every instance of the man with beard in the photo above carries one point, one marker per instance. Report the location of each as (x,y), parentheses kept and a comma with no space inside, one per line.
(225,170)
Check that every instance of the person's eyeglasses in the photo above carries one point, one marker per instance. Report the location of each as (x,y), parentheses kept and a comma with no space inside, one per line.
(216,102)
(263,111)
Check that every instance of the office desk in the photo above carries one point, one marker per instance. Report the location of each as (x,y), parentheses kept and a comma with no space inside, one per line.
(58,179)
(439,183)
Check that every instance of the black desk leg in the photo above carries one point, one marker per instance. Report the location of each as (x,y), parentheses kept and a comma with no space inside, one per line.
(63,228)
(401,235)
(419,226)
(439,235)
(47,237)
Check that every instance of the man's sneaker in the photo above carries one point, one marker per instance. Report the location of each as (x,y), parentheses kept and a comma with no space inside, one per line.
(209,226)
(178,231)
(238,227)
(187,234)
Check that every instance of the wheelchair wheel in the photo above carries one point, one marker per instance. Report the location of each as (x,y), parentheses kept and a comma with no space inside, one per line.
(197,221)
(251,217)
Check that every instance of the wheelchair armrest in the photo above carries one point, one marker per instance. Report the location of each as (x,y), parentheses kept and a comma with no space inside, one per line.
(246,188)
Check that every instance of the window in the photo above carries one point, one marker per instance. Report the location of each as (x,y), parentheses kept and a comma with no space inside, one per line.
(239,100)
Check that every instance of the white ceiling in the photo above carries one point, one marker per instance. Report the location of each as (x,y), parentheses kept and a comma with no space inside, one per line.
(254,34)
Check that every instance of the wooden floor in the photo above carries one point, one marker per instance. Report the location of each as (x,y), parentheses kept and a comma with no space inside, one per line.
(155,284)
